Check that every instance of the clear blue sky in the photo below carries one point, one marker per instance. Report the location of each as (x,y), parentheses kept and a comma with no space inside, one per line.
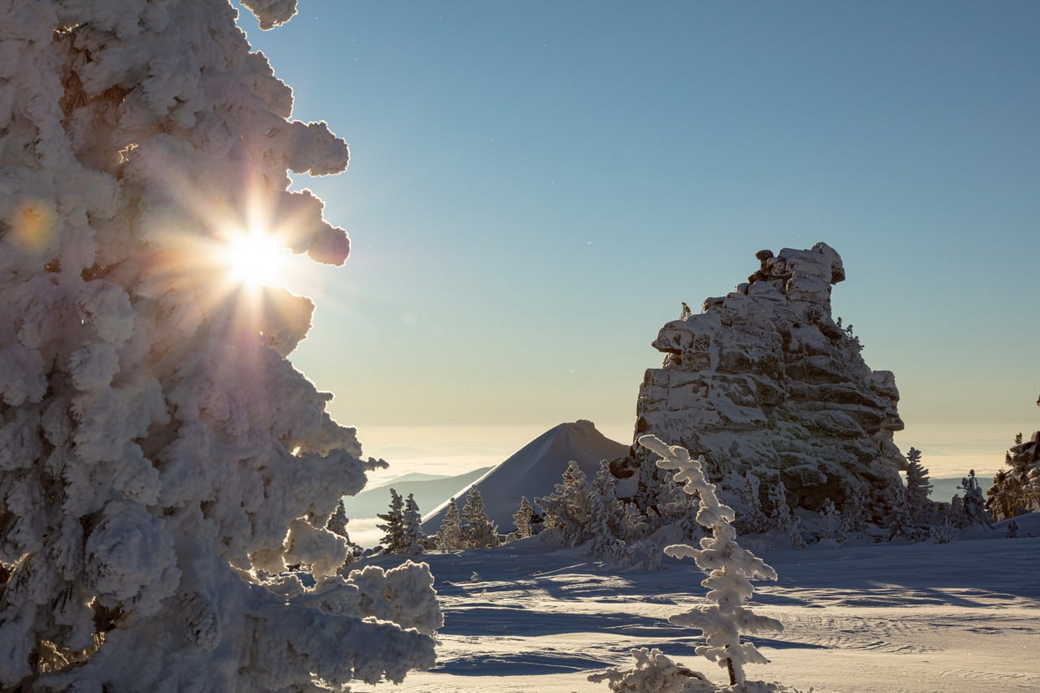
(536,186)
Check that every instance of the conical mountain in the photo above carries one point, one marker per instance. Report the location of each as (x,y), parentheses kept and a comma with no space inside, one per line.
(534,469)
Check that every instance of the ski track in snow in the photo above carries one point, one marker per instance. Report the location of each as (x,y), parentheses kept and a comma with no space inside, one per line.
(960,617)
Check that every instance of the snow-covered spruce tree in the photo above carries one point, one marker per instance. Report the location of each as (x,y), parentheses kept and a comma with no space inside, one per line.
(337,524)
(607,517)
(568,509)
(160,459)
(522,519)
(634,525)
(956,515)
(449,536)
(747,489)
(781,519)
(730,569)
(1016,490)
(832,526)
(648,488)
(393,540)
(605,498)
(854,512)
(478,531)
(413,537)
(900,522)
(918,486)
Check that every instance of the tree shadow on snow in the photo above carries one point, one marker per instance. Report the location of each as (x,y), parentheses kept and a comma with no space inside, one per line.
(525,622)
(521,664)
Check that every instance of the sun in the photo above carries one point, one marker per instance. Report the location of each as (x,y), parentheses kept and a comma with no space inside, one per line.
(255,258)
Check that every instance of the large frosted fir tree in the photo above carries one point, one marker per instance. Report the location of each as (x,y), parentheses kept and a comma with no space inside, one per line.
(161,462)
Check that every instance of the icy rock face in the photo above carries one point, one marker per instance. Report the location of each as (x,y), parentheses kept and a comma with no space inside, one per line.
(765,380)
(161,461)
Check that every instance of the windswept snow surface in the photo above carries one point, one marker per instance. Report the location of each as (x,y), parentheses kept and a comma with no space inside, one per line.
(534,469)
(879,618)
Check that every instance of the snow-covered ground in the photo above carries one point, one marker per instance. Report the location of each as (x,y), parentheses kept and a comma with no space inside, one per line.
(952,617)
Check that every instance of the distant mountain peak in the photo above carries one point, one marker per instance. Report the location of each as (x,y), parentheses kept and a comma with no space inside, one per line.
(534,469)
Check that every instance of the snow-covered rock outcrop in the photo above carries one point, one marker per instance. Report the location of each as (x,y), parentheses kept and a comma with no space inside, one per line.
(535,469)
(161,462)
(765,380)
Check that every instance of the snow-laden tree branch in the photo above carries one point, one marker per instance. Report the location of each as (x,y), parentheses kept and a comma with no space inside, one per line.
(161,461)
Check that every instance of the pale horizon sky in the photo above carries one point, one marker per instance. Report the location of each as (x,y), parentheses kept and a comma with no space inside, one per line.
(536,186)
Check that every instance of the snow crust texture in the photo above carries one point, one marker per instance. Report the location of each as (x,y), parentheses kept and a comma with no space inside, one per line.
(160,460)
(765,380)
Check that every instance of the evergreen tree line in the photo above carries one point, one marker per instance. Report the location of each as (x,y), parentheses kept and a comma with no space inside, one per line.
(630,530)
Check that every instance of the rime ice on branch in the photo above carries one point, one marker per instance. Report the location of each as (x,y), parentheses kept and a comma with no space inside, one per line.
(160,459)
(729,567)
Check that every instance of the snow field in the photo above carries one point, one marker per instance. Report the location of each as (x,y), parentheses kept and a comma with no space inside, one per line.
(883,618)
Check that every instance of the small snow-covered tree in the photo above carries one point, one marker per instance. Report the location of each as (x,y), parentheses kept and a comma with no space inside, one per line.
(607,519)
(161,461)
(478,531)
(781,519)
(854,511)
(654,672)
(634,525)
(729,566)
(605,500)
(412,533)
(648,488)
(918,487)
(568,509)
(393,540)
(337,524)
(831,524)
(450,536)
(899,520)
(522,519)
(956,515)
(746,490)
(974,501)
(942,533)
